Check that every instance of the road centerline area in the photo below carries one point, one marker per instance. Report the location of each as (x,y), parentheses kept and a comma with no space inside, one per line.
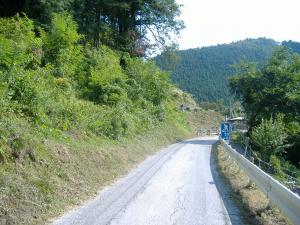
(175,186)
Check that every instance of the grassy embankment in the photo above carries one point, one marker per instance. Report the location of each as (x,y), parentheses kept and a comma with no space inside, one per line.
(56,172)
(251,200)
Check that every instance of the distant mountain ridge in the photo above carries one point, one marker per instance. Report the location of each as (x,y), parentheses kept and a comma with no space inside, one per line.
(204,72)
(292,45)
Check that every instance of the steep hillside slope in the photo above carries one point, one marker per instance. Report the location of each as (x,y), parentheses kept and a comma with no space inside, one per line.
(74,117)
(204,72)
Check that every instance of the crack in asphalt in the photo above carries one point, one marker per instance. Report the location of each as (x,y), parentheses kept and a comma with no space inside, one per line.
(177,186)
(180,206)
(98,211)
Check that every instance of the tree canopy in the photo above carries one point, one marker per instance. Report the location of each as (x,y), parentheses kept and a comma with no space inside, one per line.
(134,26)
(273,90)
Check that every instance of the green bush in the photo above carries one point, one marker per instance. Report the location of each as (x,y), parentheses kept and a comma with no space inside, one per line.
(270,137)
(54,85)
(150,82)
(276,166)
(61,46)
(104,82)
(20,56)
(23,89)
(237,137)
(19,46)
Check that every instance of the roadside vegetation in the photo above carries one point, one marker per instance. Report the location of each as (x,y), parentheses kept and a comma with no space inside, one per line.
(52,85)
(74,116)
(270,97)
(254,203)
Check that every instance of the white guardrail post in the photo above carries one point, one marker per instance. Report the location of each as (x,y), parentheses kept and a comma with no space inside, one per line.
(287,201)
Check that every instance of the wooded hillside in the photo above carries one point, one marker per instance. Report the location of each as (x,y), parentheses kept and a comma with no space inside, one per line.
(204,72)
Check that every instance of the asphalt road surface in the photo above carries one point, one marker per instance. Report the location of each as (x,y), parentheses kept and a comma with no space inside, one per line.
(177,186)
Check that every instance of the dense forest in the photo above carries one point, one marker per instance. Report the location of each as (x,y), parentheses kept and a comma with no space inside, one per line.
(204,72)
(292,45)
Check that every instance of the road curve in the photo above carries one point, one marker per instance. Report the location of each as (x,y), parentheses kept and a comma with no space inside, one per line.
(179,185)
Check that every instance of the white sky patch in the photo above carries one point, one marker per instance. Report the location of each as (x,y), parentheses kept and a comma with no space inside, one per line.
(211,22)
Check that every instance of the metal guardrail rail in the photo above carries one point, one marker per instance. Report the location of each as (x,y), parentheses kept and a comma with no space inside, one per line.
(289,178)
(281,196)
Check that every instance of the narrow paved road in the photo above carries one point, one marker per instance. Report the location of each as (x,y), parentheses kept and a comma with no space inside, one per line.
(178,185)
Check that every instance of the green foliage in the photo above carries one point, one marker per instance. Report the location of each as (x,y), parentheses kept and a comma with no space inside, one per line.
(58,92)
(204,72)
(292,45)
(237,137)
(121,25)
(39,10)
(20,56)
(23,90)
(273,89)
(19,47)
(127,25)
(76,89)
(270,91)
(104,79)
(150,82)
(61,45)
(276,166)
(169,58)
(270,136)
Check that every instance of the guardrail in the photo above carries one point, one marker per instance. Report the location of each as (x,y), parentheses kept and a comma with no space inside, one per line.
(289,178)
(282,197)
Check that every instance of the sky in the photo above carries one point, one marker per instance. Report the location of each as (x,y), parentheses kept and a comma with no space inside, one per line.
(211,22)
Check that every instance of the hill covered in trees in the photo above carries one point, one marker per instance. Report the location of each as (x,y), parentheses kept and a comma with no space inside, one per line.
(292,45)
(204,72)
